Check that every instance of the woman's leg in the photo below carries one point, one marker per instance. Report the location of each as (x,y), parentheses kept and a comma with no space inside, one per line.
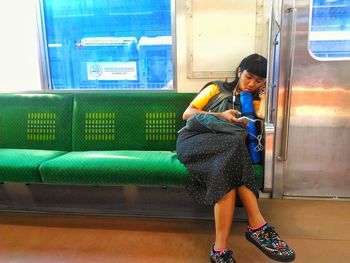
(223,213)
(250,203)
(261,234)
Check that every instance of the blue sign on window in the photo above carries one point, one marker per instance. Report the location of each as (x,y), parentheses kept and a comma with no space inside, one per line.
(102,44)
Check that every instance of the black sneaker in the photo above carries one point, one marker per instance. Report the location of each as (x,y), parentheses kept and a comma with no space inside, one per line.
(268,241)
(222,256)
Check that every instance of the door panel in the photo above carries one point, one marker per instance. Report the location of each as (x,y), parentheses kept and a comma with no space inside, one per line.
(317,162)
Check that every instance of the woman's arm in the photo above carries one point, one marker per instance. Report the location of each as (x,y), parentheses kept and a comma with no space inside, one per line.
(228,115)
(260,109)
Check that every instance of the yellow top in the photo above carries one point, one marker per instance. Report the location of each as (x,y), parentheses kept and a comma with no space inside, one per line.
(203,97)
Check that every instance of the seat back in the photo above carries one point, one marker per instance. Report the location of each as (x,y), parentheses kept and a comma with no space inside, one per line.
(36,121)
(128,121)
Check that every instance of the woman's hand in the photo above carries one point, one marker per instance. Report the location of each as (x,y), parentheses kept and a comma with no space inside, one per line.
(262,91)
(260,112)
(229,115)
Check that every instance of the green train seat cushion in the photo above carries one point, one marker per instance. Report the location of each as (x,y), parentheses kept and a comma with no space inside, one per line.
(258,172)
(115,167)
(19,165)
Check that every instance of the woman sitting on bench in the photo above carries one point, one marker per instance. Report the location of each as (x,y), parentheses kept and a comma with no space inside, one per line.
(219,164)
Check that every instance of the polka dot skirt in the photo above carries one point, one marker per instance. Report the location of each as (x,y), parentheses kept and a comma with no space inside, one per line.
(217,163)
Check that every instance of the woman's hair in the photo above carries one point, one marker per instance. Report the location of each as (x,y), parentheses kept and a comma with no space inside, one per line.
(254,64)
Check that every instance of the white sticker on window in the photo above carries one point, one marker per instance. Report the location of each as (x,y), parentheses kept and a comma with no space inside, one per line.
(112,70)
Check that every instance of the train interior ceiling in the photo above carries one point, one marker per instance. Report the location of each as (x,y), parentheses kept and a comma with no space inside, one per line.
(68,56)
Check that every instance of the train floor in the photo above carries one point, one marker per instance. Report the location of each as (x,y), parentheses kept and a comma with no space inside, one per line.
(319,231)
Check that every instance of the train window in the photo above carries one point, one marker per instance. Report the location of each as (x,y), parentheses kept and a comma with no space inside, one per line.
(329,29)
(102,44)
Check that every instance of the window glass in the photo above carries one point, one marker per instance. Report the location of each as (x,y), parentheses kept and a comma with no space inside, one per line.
(109,44)
(329,36)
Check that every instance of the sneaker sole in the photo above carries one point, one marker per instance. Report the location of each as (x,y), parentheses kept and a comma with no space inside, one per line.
(273,256)
(213,261)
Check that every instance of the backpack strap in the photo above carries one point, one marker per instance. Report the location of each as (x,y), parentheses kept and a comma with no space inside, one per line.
(218,83)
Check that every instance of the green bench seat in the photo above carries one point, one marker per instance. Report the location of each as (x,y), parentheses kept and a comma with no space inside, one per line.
(93,138)
(33,128)
(22,165)
(115,167)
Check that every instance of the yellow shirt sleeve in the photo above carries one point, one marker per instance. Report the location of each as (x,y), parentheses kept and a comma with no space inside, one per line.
(202,99)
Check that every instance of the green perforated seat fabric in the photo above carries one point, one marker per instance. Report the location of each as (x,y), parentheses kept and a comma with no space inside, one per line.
(258,172)
(115,167)
(128,121)
(36,121)
(18,165)
(128,138)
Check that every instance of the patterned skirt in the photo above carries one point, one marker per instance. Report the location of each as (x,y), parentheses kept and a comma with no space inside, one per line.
(216,162)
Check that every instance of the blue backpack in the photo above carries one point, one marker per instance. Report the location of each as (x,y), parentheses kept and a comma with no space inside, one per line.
(246,100)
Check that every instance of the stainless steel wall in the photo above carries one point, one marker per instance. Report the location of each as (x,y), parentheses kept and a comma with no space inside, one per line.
(312,139)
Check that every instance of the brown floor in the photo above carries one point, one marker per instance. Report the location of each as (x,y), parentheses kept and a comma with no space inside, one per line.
(319,231)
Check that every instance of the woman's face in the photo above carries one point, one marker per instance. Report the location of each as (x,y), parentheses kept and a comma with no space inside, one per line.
(250,82)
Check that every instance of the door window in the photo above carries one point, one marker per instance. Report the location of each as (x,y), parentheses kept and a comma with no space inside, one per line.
(329,29)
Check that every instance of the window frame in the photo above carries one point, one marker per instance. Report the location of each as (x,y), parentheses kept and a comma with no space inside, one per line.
(309,41)
(44,63)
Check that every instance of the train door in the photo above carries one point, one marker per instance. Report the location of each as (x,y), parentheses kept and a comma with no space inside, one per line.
(308,116)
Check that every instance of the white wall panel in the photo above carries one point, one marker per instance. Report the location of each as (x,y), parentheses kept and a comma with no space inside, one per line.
(213,36)
(219,32)
(19,64)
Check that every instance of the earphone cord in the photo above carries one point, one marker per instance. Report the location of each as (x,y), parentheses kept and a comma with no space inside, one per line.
(260,146)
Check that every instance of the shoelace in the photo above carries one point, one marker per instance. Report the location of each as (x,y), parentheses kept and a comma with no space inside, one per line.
(272,233)
(224,257)
(279,245)
(276,240)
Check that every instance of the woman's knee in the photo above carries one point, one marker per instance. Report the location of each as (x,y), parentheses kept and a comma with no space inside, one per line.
(229,195)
